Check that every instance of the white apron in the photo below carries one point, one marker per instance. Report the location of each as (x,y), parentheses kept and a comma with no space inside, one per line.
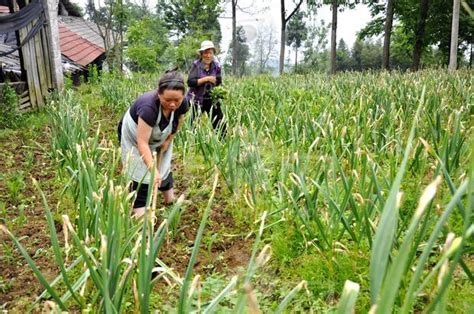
(132,161)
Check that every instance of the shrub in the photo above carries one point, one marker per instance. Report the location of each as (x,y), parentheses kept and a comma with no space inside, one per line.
(10,114)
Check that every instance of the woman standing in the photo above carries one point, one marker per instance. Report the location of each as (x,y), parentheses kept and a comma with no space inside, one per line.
(149,125)
(204,75)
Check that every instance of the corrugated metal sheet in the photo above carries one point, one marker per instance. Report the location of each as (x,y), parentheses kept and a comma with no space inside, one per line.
(77,48)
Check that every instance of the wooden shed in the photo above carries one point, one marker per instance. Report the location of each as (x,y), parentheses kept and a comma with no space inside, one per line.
(35,23)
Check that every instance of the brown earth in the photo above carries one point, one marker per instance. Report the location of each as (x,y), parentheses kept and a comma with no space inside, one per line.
(27,154)
(24,158)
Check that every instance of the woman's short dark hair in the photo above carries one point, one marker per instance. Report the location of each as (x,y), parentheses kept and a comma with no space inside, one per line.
(173,80)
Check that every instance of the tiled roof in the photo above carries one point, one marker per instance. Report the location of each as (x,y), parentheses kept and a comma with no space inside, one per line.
(80,40)
(77,48)
(83,28)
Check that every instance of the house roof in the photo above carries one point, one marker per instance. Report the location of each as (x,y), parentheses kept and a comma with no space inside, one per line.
(83,28)
(11,62)
(77,48)
(80,40)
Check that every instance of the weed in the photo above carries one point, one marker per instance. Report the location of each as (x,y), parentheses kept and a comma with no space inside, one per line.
(9,112)
(5,285)
(15,186)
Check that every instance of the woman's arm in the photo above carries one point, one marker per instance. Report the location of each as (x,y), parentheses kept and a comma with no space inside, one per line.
(218,76)
(193,76)
(195,81)
(143,137)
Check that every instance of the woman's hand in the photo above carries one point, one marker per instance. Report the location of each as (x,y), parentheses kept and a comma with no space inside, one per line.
(166,143)
(157,178)
(207,79)
(211,79)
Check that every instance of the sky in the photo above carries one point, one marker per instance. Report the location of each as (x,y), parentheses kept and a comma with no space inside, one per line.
(266,13)
(349,21)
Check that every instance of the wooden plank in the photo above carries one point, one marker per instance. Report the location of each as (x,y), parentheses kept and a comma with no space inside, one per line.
(39,56)
(23,101)
(26,61)
(26,107)
(47,57)
(34,66)
(19,87)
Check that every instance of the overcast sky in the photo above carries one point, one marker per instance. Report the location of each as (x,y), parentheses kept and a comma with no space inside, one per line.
(266,13)
(349,21)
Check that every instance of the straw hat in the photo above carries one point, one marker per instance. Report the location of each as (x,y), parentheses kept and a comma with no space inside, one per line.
(207,44)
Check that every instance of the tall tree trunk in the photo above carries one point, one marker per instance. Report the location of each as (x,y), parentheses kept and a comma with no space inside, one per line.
(296,58)
(453,54)
(234,37)
(420,34)
(470,59)
(282,37)
(121,36)
(388,34)
(333,36)
(284,21)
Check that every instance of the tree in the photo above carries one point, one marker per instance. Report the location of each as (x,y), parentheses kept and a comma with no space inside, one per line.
(316,53)
(382,22)
(242,50)
(297,33)
(186,51)
(265,47)
(454,37)
(371,55)
(234,37)
(147,44)
(401,49)
(420,34)
(343,57)
(284,21)
(109,18)
(356,55)
(190,22)
(234,7)
(437,30)
(334,6)
(184,17)
(388,34)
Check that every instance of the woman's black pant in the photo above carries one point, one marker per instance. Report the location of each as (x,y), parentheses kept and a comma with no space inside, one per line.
(215,113)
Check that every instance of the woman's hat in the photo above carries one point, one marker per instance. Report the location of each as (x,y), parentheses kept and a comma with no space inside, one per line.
(207,44)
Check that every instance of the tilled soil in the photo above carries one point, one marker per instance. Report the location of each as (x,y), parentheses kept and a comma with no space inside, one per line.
(25,156)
